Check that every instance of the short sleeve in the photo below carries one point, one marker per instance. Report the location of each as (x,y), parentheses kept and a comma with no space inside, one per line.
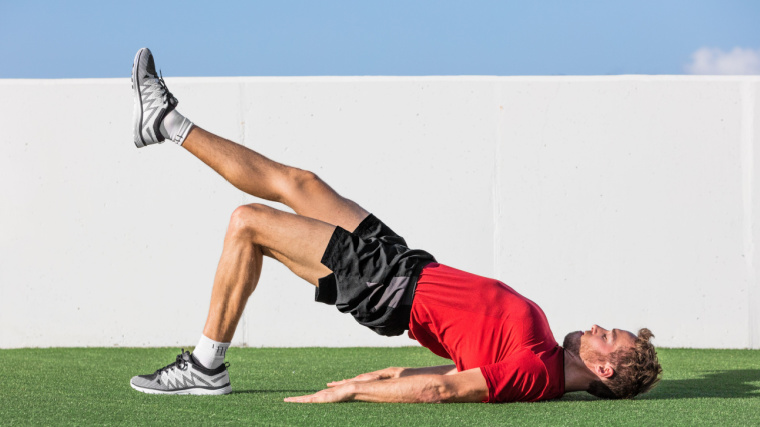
(520,378)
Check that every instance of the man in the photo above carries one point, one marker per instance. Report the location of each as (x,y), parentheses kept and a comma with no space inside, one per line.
(500,342)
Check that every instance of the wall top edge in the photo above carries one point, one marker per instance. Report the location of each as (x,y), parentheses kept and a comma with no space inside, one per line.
(349,79)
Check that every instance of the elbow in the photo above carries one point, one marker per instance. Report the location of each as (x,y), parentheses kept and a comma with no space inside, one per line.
(439,392)
(448,394)
(446,390)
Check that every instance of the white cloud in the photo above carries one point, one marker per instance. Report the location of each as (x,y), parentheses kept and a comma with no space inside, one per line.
(715,61)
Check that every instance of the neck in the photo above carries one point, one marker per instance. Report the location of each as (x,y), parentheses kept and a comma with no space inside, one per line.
(578,377)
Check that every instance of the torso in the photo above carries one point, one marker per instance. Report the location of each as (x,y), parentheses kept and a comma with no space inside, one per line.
(481,322)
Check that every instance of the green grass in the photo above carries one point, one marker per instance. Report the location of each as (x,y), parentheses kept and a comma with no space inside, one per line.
(91,386)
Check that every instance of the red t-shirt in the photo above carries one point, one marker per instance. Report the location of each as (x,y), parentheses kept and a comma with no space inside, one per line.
(481,322)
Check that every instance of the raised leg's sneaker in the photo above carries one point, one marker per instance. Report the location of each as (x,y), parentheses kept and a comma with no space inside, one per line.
(184,376)
(155,118)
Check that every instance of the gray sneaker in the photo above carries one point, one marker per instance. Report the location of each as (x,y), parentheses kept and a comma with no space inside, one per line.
(153,101)
(184,376)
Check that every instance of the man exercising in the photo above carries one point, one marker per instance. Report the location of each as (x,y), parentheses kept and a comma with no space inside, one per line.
(499,341)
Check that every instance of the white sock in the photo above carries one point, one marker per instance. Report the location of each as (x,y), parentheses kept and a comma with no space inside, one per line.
(175,127)
(210,353)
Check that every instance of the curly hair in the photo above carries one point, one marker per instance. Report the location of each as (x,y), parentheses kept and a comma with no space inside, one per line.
(636,370)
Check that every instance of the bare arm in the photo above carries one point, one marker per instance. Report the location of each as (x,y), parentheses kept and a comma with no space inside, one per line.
(429,370)
(466,386)
(394,372)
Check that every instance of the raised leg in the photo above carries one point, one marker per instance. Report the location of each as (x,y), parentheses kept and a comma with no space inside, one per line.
(256,230)
(251,172)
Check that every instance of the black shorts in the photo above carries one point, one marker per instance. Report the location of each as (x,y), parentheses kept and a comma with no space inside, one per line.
(374,276)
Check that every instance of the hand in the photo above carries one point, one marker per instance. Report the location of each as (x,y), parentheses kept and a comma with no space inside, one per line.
(328,395)
(382,374)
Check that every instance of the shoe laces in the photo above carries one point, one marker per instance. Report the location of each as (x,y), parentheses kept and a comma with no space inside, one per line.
(179,363)
(164,90)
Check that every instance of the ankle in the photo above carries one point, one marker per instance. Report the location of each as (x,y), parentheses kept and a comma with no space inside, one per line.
(210,353)
(175,127)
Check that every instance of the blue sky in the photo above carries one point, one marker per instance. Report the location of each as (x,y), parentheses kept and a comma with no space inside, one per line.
(84,39)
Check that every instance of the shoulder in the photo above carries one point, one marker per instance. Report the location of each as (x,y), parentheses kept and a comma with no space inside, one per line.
(526,376)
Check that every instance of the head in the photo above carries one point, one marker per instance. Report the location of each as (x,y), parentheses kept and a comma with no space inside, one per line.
(625,364)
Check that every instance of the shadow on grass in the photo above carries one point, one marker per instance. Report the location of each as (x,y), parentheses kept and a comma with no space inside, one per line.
(300,392)
(723,384)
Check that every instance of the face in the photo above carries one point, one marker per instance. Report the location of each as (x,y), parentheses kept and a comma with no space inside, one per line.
(596,344)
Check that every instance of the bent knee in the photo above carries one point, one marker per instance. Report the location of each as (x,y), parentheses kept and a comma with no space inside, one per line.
(246,219)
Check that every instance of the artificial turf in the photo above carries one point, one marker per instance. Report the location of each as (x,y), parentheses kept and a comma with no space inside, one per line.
(91,386)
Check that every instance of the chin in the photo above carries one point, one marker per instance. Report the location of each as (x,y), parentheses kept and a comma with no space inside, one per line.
(572,342)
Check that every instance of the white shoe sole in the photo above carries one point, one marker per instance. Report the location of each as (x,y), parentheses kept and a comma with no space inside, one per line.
(194,391)
(137,112)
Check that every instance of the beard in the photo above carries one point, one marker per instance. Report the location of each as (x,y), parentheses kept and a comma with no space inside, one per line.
(572,342)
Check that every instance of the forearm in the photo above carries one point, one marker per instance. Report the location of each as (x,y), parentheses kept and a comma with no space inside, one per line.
(428,370)
(466,386)
(420,389)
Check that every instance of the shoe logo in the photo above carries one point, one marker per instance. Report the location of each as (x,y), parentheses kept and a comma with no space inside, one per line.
(216,380)
(186,382)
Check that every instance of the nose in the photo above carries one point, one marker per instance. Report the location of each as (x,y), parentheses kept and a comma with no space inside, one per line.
(596,329)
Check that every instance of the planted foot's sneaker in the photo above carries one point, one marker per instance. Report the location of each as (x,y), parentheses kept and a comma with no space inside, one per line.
(155,118)
(184,376)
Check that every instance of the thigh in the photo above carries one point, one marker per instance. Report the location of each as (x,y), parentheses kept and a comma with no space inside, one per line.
(308,195)
(297,241)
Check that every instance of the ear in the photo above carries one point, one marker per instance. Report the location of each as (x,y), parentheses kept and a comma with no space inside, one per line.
(604,371)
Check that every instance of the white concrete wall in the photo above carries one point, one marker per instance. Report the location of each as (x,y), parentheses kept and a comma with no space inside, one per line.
(626,201)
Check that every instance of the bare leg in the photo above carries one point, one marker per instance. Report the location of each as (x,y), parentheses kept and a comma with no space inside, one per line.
(255,230)
(259,176)
(298,241)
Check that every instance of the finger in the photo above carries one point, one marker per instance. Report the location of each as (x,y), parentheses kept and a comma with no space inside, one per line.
(359,378)
(300,399)
(341,382)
